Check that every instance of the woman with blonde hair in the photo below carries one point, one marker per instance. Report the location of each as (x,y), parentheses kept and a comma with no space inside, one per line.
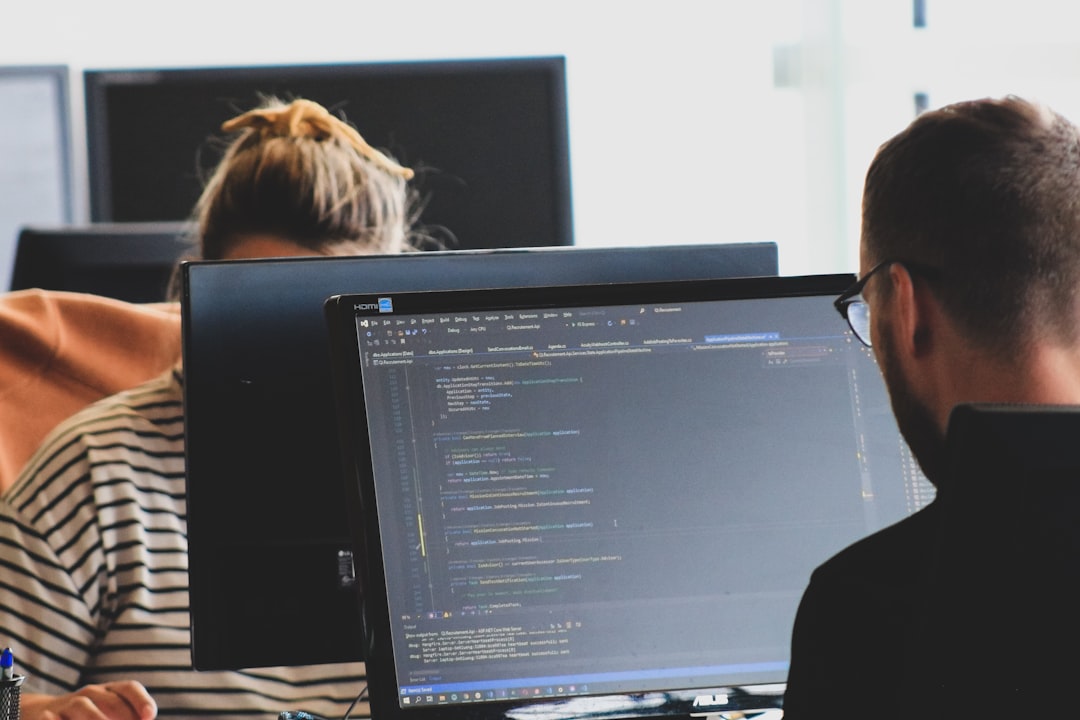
(297,173)
(94,596)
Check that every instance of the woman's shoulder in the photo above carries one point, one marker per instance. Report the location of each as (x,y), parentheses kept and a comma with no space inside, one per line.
(138,431)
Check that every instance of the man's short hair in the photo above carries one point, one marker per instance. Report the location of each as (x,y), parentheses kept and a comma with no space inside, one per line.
(987,191)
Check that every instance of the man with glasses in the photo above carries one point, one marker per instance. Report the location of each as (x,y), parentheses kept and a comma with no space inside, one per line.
(969,292)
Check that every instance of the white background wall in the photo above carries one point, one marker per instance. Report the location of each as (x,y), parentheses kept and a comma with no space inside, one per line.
(675,125)
(691,120)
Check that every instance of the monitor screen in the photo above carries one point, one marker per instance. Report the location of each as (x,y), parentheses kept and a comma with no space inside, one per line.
(271,580)
(606,499)
(487,138)
(127,261)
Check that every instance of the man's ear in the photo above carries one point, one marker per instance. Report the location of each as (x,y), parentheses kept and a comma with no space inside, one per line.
(914,311)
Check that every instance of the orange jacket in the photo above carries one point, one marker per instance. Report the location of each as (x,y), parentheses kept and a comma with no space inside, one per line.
(61,351)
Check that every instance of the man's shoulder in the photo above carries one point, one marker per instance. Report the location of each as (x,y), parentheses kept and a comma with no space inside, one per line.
(889,556)
(849,638)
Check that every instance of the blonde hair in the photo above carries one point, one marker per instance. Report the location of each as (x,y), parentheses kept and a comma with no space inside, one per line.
(299,173)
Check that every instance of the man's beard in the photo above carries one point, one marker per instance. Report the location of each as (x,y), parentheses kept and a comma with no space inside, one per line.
(913,417)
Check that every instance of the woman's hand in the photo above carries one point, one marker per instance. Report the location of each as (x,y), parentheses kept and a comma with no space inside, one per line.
(124,700)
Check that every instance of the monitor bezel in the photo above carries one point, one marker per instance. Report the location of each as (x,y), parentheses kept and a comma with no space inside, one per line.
(363,510)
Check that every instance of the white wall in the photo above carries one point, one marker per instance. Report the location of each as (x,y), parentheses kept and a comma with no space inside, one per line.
(677,133)
(690,120)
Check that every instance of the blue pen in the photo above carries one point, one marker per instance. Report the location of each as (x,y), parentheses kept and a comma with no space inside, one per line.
(7,664)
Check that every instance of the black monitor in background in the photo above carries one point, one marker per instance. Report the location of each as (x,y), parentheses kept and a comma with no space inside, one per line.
(488,138)
(604,501)
(270,567)
(126,261)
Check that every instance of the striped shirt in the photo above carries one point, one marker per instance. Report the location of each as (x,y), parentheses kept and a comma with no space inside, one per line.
(93,570)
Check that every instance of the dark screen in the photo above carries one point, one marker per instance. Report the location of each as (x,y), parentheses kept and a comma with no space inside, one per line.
(488,138)
(127,261)
(267,522)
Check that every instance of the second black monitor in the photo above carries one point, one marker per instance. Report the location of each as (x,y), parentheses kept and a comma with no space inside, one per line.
(271,580)
(487,138)
(133,262)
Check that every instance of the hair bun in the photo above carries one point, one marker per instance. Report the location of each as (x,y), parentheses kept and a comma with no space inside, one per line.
(305,118)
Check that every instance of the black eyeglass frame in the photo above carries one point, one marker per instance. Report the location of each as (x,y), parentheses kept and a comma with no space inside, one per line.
(850,297)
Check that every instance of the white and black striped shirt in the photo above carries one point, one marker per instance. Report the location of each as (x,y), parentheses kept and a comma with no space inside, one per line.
(93,570)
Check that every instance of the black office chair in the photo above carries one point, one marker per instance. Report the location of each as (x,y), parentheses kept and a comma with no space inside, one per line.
(1000,629)
(126,261)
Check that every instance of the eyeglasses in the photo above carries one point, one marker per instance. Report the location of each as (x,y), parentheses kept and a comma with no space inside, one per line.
(854,309)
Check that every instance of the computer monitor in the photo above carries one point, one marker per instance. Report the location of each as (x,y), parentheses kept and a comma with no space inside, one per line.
(270,571)
(126,261)
(35,144)
(607,500)
(488,138)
